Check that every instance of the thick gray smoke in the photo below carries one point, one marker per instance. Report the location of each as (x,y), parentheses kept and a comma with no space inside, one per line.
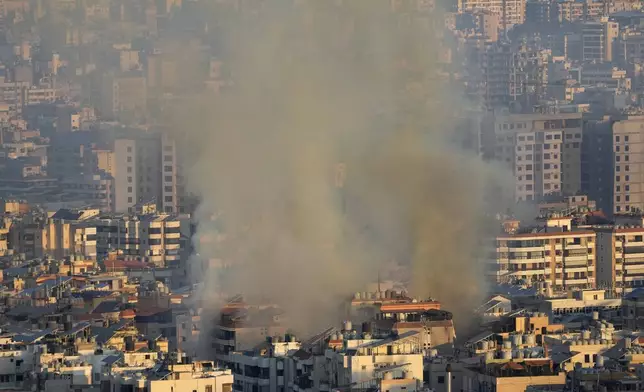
(331,154)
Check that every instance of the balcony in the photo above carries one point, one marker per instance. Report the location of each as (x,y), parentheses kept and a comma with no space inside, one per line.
(570,282)
(576,269)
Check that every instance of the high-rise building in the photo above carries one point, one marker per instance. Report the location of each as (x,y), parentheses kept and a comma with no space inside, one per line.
(511,12)
(628,152)
(542,150)
(597,177)
(159,238)
(513,75)
(620,258)
(598,40)
(562,260)
(144,170)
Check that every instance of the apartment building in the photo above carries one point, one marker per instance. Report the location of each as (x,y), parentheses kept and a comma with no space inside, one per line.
(239,328)
(269,365)
(620,258)
(561,259)
(543,151)
(606,75)
(160,238)
(70,238)
(367,362)
(201,376)
(598,40)
(514,74)
(135,162)
(628,166)
(511,12)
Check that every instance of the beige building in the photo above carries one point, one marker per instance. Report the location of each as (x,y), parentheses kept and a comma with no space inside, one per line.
(628,153)
(145,170)
(156,237)
(562,260)
(199,376)
(510,12)
(620,258)
(542,150)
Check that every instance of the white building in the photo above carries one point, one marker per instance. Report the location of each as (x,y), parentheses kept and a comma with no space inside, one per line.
(199,376)
(392,363)
(268,368)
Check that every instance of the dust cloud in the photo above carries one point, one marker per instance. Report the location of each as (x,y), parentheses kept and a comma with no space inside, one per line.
(329,154)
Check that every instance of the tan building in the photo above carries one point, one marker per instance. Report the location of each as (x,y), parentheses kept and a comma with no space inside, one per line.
(145,170)
(561,260)
(542,150)
(628,151)
(620,258)
(510,12)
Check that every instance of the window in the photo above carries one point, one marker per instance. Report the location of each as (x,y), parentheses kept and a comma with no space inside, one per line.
(546,156)
(129,148)
(546,166)
(617,158)
(625,138)
(626,167)
(627,198)
(575,145)
(168,188)
(129,189)
(627,188)
(167,168)
(626,158)
(167,148)
(129,169)
(208,388)
(129,200)
(129,179)
(167,158)
(528,167)
(617,178)
(129,158)
(546,146)
(441,379)
(528,177)
(168,178)
(617,188)
(168,199)
(617,139)
(548,137)
(616,148)
(617,168)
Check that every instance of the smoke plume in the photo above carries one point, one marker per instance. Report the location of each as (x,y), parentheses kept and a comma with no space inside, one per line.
(329,153)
